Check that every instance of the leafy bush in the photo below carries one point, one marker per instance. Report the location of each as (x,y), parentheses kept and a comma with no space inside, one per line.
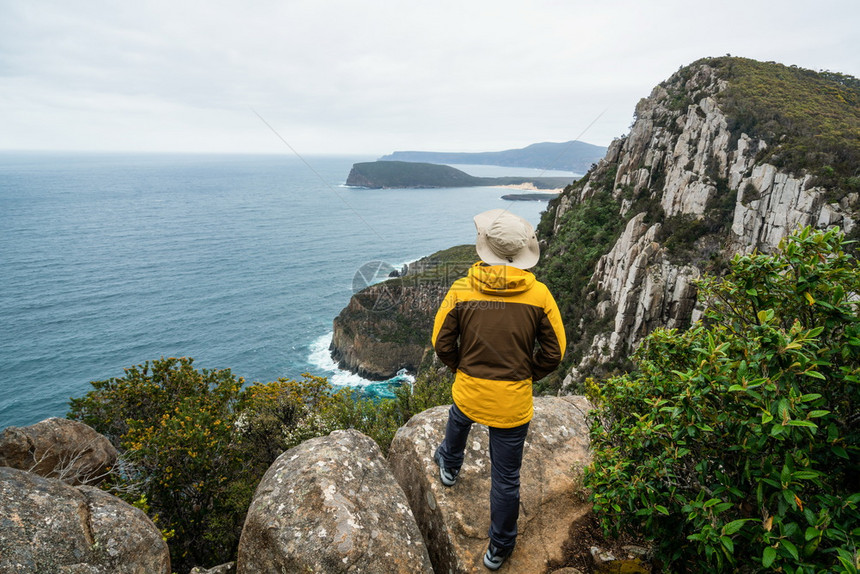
(195,444)
(274,417)
(736,444)
(174,426)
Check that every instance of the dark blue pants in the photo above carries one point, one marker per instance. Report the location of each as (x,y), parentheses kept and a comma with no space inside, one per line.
(506,458)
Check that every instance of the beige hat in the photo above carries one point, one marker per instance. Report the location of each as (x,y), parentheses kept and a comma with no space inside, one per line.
(506,239)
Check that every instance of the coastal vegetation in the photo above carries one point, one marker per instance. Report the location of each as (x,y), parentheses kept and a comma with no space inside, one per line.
(735,446)
(194,443)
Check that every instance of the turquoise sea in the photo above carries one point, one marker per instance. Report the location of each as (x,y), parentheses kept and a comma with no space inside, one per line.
(241,262)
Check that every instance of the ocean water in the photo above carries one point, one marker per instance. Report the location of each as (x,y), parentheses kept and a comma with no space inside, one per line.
(241,262)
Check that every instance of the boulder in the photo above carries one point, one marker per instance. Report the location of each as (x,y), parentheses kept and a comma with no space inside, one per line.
(455,521)
(331,505)
(58,448)
(49,526)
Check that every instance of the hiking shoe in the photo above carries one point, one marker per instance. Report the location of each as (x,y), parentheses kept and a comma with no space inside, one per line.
(447,475)
(495,556)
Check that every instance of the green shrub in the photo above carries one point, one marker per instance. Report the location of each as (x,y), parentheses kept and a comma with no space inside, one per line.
(274,417)
(174,426)
(736,444)
(380,419)
(194,443)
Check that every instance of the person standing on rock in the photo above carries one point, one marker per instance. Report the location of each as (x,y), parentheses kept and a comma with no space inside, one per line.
(486,331)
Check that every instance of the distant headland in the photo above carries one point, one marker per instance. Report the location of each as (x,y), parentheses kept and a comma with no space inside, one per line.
(402,174)
(575,156)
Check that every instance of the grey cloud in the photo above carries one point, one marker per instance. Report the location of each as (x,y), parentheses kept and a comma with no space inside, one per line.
(373,76)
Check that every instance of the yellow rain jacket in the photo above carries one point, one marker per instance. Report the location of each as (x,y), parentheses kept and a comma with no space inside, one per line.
(485,331)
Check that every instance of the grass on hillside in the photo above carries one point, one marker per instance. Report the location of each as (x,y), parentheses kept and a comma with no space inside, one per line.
(810,120)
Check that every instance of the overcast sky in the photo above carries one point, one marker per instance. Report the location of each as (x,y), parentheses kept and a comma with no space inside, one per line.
(372,76)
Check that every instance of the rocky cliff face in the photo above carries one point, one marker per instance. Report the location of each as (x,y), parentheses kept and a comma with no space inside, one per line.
(386,327)
(694,188)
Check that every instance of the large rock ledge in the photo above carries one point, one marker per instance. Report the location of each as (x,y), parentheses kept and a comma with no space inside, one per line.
(455,520)
(333,504)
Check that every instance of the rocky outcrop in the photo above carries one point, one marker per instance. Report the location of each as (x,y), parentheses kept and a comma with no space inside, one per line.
(331,505)
(455,520)
(645,290)
(49,526)
(386,326)
(772,204)
(58,448)
(713,196)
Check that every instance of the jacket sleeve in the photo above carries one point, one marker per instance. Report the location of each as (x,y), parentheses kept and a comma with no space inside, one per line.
(551,339)
(446,331)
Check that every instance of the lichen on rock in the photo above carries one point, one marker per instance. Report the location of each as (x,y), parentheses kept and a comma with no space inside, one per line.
(331,505)
(49,526)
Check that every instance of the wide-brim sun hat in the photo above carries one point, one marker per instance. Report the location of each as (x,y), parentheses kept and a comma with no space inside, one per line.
(506,239)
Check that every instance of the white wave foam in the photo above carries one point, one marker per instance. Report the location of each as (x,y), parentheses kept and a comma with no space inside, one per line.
(320,357)
(403,377)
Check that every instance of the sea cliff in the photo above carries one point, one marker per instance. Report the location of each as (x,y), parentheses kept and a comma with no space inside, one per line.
(714,165)
(386,327)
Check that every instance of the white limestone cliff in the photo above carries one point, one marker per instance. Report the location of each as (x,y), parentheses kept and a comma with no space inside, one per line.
(680,153)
